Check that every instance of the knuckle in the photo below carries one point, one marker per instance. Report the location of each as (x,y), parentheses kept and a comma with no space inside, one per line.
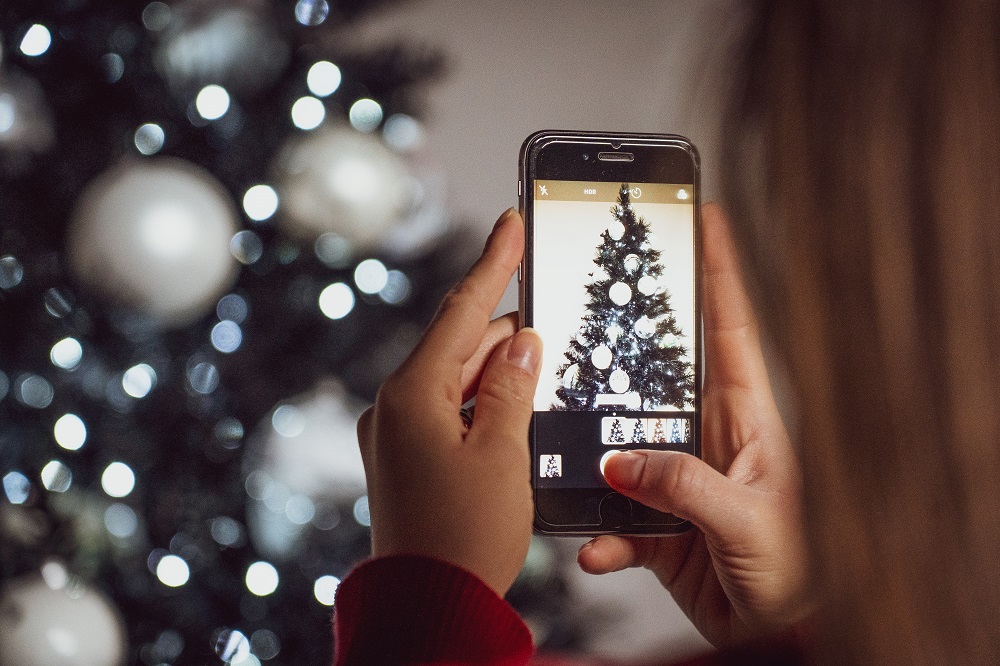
(392,395)
(461,297)
(507,388)
(678,477)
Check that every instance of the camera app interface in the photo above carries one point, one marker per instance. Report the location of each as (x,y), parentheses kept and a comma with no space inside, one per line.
(614,302)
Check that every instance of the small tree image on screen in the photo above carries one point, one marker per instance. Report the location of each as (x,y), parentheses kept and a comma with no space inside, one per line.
(625,345)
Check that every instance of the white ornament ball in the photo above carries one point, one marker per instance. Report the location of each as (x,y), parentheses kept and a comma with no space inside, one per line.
(632,263)
(570,376)
(58,623)
(619,381)
(620,293)
(646,284)
(613,332)
(616,230)
(155,235)
(339,180)
(601,357)
(306,466)
(645,327)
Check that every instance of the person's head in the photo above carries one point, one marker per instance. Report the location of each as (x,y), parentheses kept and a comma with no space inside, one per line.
(864,185)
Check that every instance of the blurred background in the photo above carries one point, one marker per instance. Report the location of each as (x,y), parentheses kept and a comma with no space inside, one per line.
(221,225)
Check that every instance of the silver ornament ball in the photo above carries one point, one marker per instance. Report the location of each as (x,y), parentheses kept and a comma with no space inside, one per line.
(339,180)
(155,235)
(54,621)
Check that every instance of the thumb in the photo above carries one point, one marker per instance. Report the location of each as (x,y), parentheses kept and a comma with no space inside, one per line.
(507,388)
(685,486)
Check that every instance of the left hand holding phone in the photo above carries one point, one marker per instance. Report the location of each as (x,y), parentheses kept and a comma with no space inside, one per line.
(436,486)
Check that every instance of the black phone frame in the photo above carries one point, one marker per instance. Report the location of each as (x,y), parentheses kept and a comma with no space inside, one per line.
(657,158)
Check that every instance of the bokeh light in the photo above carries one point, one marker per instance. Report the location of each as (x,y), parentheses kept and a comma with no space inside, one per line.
(325,589)
(371,276)
(57,303)
(232,646)
(365,115)
(172,571)
(11,272)
(299,509)
(260,202)
(118,480)
(265,644)
(232,307)
(323,78)
(262,578)
(397,288)
(33,391)
(227,336)
(333,250)
(288,421)
(16,487)
(212,102)
(156,16)
(361,512)
(403,133)
(336,301)
(311,12)
(247,247)
(226,531)
(203,377)
(56,477)
(120,520)
(149,138)
(70,432)
(308,113)
(113,66)
(66,354)
(139,380)
(36,40)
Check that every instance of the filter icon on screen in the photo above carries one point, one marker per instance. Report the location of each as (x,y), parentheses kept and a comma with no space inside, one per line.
(550,466)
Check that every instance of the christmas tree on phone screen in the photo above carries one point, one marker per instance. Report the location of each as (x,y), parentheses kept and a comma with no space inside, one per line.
(625,351)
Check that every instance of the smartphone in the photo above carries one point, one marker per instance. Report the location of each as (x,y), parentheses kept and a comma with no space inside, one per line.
(610,280)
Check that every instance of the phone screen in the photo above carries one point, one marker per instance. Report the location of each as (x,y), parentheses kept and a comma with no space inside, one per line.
(614,300)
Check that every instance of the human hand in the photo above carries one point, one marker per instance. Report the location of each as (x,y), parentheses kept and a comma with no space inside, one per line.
(437,487)
(741,573)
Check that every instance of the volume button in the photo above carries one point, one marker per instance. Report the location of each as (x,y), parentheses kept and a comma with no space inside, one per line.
(520,186)
(519,273)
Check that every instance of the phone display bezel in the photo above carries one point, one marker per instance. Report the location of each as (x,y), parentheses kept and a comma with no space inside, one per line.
(573,156)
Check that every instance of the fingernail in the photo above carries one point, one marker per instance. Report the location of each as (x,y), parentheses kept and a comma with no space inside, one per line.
(626,468)
(525,350)
(504,217)
(587,546)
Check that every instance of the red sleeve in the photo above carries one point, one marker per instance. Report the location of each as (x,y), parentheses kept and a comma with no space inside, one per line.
(409,609)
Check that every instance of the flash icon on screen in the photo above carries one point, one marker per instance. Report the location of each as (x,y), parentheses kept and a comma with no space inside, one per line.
(544,191)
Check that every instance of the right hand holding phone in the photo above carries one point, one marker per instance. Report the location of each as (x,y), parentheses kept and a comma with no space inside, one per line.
(743,571)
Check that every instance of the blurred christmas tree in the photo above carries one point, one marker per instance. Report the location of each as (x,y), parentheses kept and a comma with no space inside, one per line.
(626,351)
(207,211)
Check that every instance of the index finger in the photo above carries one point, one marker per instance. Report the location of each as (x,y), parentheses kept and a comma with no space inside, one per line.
(461,322)
(733,351)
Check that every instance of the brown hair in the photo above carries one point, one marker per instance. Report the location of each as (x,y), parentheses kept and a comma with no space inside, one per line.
(863,178)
